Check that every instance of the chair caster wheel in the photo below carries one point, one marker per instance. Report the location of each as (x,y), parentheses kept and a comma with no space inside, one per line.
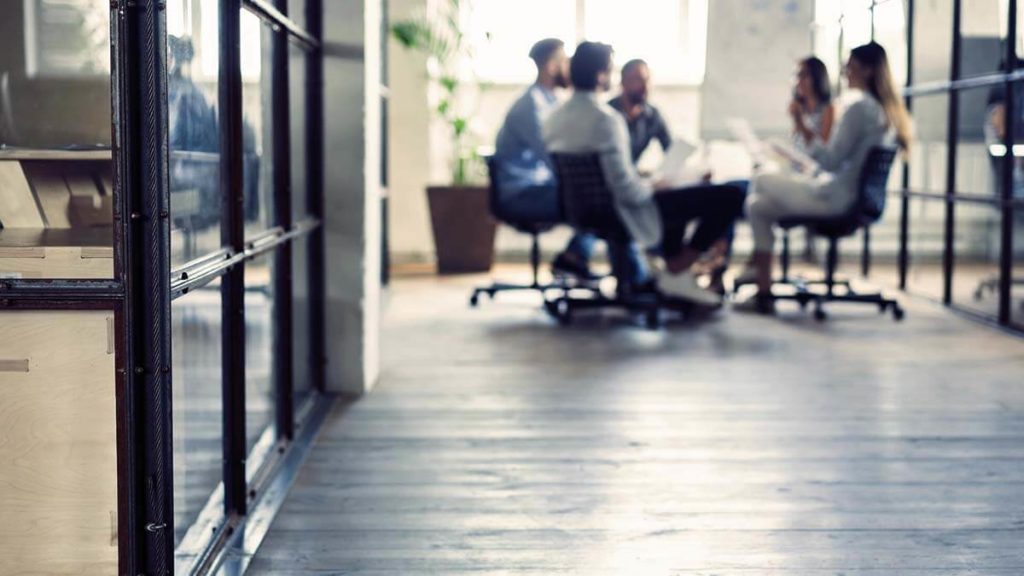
(563,312)
(652,320)
(820,315)
(474,301)
(897,313)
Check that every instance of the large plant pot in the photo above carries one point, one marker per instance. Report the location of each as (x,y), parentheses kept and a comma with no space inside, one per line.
(463,228)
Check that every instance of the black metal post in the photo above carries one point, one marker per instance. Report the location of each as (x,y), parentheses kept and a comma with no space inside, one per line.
(1009,162)
(315,197)
(952,138)
(284,341)
(140,147)
(233,237)
(904,250)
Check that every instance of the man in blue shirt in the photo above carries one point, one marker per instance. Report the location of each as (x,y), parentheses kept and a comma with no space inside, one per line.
(526,177)
(644,121)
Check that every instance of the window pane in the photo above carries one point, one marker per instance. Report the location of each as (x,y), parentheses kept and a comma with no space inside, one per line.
(933,27)
(982,48)
(56,178)
(257,142)
(197,403)
(927,225)
(1017,292)
(297,12)
(194,136)
(928,155)
(297,120)
(504,31)
(669,34)
(301,317)
(259,347)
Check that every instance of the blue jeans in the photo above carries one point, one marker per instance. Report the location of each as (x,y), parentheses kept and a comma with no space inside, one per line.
(628,264)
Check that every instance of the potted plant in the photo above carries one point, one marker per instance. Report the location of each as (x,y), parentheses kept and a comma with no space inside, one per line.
(461,221)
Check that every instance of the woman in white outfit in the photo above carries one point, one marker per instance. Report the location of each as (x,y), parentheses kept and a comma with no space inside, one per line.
(829,189)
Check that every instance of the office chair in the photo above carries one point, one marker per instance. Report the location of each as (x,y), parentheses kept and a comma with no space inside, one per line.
(534,229)
(590,207)
(866,210)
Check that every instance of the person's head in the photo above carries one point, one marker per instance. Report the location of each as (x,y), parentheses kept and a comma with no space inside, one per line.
(812,82)
(636,81)
(591,67)
(868,70)
(179,52)
(552,63)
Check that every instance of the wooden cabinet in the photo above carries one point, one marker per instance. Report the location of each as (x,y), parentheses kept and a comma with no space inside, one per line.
(58,443)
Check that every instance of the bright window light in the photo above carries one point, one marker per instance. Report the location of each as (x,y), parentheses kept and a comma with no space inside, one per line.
(671,35)
(504,31)
(657,31)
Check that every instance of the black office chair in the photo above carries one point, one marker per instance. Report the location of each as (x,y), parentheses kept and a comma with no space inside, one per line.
(868,208)
(590,207)
(534,229)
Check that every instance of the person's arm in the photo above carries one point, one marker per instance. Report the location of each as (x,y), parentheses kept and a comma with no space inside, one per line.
(617,163)
(830,155)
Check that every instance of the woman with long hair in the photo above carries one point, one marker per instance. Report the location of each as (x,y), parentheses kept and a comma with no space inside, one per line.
(875,116)
(811,109)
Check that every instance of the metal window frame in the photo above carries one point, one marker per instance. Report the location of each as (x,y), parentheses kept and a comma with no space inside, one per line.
(1006,204)
(143,285)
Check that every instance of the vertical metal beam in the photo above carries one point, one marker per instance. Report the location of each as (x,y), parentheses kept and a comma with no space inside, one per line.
(315,197)
(952,139)
(232,236)
(1009,160)
(904,250)
(139,87)
(283,291)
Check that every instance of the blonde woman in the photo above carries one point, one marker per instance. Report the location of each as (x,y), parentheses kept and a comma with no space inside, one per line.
(875,116)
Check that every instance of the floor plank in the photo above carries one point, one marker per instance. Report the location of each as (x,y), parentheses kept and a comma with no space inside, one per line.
(498,443)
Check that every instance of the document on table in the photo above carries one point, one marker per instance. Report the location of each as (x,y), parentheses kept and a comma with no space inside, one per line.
(679,168)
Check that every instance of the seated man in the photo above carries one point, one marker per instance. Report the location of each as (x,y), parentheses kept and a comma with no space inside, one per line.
(654,219)
(646,124)
(644,121)
(526,179)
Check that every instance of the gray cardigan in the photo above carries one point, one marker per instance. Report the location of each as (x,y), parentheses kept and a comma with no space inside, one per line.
(586,124)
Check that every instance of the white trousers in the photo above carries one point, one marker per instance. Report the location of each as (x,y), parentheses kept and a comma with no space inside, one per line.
(777,196)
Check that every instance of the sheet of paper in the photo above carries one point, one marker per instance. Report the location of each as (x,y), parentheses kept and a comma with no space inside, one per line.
(679,167)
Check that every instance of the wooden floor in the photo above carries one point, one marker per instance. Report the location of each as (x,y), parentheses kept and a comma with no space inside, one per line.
(499,443)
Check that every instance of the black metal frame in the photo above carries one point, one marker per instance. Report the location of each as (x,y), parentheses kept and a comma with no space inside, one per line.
(143,286)
(1007,205)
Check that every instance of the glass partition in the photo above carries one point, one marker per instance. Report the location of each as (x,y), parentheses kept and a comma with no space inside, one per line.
(260,336)
(56,171)
(257,134)
(197,404)
(194,137)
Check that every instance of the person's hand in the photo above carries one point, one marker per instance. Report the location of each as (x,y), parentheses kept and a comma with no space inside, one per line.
(660,185)
(795,110)
(706,177)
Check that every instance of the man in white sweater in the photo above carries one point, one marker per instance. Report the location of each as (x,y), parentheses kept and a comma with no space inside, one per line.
(657,219)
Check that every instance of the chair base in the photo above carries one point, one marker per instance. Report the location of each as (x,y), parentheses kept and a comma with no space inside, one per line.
(804,296)
(990,285)
(650,306)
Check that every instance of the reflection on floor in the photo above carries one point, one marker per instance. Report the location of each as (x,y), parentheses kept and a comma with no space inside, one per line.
(500,443)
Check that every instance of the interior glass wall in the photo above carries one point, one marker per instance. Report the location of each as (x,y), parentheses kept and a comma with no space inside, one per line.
(56,171)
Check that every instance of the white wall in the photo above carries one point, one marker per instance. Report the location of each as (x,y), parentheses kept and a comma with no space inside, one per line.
(352,189)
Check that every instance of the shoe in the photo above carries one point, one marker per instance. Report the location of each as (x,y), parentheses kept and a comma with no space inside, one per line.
(566,265)
(647,288)
(683,286)
(760,303)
